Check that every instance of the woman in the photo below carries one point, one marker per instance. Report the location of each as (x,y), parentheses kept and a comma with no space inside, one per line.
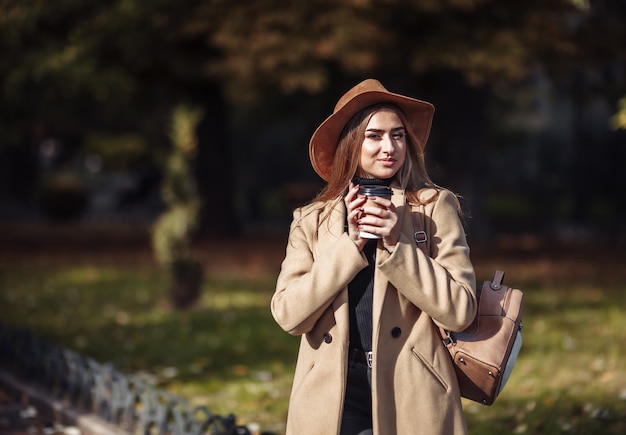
(371,360)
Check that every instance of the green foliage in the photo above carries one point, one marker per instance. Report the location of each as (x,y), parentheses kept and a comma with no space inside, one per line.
(175,228)
(118,53)
(173,232)
(183,129)
(299,46)
(619,119)
(226,353)
(76,66)
(118,151)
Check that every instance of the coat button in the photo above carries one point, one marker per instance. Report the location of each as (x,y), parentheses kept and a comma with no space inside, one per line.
(327,337)
(395,332)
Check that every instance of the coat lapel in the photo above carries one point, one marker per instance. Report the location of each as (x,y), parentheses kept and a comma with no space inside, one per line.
(380,280)
(329,232)
(331,229)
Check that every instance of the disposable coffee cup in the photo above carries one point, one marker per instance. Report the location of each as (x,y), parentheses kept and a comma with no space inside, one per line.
(369,192)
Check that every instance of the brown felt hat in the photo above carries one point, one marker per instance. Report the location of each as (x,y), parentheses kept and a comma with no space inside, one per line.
(367,93)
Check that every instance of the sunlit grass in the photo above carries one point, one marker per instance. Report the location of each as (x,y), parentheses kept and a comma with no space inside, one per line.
(570,377)
(228,354)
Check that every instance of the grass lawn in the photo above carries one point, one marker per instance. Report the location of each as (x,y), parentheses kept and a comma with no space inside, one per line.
(227,353)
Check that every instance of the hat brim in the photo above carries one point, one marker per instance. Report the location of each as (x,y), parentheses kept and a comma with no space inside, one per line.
(325,139)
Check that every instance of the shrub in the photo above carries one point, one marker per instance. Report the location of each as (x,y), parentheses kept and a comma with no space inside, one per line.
(174,229)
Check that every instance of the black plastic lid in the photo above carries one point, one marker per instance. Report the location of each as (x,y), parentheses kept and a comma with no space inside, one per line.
(375,190)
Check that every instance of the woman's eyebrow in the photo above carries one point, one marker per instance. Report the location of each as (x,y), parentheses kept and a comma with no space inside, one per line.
(380,129)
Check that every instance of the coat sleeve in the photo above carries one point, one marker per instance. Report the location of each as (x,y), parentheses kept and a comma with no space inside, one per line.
(308,283)
(444,286)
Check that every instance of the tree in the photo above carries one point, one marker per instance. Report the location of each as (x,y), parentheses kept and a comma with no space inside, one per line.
(447,52)
(463,55)
(118,66)
(124,64)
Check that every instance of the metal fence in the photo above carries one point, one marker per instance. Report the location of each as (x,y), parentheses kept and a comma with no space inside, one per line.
(124,401)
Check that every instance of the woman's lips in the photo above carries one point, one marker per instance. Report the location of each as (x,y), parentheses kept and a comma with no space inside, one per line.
(387,162)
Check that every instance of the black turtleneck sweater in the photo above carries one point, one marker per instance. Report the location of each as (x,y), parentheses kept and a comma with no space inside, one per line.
(361,295)
(361,288)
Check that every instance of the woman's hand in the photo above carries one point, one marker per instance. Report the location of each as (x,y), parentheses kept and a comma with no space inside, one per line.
(354,207)
(380,219)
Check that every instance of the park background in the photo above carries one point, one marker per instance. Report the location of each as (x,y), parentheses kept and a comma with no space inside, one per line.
(145,142)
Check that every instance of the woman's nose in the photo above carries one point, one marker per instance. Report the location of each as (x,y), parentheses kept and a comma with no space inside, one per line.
(388,145)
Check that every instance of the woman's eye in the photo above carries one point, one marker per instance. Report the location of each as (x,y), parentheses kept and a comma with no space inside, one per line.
(399,135)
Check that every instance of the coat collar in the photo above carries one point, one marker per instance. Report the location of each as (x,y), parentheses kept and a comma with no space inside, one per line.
(336,224)
(404,211)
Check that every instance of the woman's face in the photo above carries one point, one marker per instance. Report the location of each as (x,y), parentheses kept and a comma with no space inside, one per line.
(384,147)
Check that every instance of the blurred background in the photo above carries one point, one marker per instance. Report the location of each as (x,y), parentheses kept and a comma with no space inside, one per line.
(162,145)
(527,94)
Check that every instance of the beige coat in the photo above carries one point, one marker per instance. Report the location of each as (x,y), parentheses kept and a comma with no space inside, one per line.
(414,389)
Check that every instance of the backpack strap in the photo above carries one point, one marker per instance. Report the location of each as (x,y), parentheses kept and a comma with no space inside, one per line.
(423,242)
(419,229)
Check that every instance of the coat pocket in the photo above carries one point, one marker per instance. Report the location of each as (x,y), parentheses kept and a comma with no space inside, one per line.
(431,369)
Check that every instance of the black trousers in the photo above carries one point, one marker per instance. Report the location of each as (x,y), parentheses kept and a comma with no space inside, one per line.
(357,408)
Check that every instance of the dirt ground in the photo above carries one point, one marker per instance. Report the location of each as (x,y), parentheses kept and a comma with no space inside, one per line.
(55,244)
(50,243)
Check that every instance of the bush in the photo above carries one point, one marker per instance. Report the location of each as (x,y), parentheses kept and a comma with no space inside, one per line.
(174,230)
